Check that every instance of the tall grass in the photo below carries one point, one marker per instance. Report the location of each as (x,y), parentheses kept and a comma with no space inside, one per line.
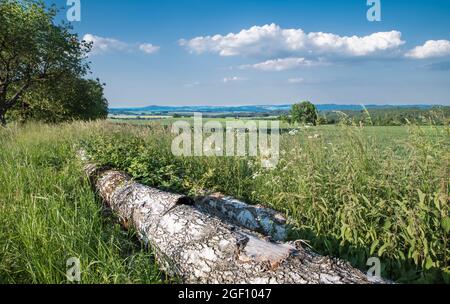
(49,213)
(352,192)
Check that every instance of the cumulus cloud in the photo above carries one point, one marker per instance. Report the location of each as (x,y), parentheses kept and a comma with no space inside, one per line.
(101,45)
(431,49)
(233,79)
(282,64)
(149,48)
(271,39)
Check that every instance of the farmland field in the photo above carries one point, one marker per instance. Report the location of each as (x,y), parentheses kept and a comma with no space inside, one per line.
(349,191)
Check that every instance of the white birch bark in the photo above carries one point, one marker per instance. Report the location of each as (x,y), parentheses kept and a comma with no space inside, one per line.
(216,239)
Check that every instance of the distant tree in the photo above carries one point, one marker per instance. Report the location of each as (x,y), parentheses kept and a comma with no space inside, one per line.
(285,118)
(34,51)
(304,112)
(322,120)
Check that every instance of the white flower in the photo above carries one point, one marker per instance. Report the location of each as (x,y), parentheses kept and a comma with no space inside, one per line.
(268,164)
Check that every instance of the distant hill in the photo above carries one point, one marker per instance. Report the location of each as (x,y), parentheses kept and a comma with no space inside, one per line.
(263,109)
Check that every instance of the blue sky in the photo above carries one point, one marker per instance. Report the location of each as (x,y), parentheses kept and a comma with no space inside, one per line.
(219,52)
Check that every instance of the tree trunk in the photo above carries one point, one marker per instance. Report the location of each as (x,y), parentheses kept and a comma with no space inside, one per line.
(216,239)
(2,118)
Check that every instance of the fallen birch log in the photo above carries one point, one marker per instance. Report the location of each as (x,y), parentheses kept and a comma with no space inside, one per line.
(214,239)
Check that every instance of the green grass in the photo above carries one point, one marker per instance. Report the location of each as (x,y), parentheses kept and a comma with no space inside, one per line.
(353,193)
(49,213)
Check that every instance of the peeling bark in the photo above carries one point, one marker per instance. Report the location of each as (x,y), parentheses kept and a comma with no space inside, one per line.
(215,239)
(255,218)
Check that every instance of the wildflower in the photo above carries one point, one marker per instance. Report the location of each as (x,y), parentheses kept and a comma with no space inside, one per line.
(268,163)
(315,136)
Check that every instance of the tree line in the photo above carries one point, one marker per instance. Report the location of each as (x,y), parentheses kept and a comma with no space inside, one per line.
(307,113)
(44,67)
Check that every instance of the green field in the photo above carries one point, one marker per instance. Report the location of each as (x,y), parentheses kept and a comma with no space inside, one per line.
(168,121)
(350,192)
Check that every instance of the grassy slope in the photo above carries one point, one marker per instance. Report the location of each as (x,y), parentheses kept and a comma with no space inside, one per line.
(48,213)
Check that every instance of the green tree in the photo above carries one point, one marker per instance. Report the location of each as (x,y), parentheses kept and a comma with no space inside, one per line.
(285,118)
(34,51)
(322,120)
(304,112)
(70,98)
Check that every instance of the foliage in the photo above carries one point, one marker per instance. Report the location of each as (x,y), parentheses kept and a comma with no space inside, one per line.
(304,112)
(438,115)
(36,55)
(68,99)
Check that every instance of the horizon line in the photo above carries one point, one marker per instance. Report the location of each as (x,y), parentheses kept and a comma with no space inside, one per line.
(279,105)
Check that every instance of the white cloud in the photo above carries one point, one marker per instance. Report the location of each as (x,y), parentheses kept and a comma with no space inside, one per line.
(431,49)
(101,45)
(296,80)
(149,48)
(282,64)
(233,79)
(271,39)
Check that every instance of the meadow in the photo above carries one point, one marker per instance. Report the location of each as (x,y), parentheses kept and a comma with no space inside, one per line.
(349,191)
